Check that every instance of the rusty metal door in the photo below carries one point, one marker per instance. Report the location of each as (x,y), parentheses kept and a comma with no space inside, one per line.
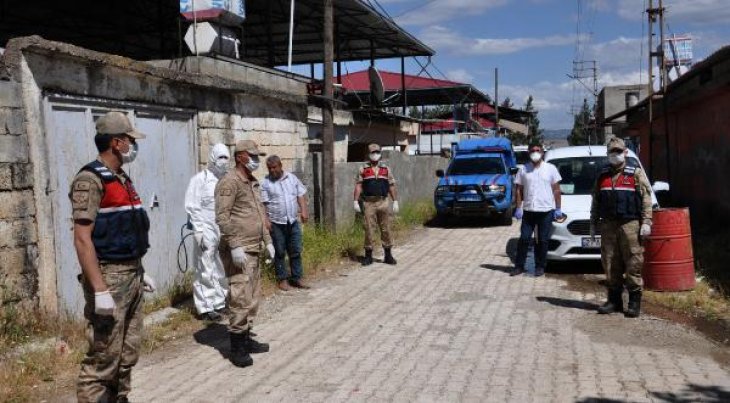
(164,164)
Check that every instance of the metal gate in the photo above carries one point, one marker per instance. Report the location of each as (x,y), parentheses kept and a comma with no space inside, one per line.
(165,162)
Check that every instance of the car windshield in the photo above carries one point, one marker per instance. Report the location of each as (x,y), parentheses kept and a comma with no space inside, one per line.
(476,166)
(580,173)
(523,157)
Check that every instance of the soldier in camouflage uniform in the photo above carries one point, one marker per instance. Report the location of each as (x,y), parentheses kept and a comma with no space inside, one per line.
(374,183)
(111,236)
(622,207)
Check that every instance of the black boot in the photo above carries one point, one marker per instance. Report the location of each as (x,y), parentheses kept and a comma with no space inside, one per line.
(634,308)
(615,302)
(368,260)
(252,346)
(389,257)
(239,356)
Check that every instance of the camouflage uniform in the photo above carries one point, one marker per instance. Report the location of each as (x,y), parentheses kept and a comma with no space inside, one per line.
(376,208)
(621,206)
(622,253)
(114,342)
(241,217)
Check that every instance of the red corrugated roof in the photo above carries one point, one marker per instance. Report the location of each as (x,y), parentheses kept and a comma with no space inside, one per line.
(360,81)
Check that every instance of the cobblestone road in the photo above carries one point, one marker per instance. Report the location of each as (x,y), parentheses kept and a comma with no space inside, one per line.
(446,324)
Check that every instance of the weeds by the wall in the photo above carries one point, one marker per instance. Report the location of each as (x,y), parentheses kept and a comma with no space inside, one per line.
(36,374)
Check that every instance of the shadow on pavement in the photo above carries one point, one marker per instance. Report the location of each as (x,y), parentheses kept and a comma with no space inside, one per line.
(216,336)
(694,393)
(575,267)
(569,303)
(496,267)
(461,222)
(691,393)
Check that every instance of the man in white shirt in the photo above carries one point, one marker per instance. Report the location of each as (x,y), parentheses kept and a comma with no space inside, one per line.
(538,204)
(284,196)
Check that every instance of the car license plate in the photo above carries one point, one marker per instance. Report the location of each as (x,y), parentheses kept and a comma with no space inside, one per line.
(469,197)
(591,243)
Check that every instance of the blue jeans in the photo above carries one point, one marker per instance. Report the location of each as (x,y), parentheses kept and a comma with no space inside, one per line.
(287,240)
(543,221)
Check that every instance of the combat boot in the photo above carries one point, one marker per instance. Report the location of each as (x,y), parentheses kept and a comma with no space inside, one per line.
(368,260)
(389,257)
(634,308)
(239,356)
(252,346)
(615,302)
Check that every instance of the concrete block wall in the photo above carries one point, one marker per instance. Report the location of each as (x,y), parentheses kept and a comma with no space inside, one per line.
(415,180)
(283,136)
(18,235)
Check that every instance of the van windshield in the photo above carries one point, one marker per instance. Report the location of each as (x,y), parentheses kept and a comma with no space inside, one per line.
(476,166)
(523,157)
(580,173)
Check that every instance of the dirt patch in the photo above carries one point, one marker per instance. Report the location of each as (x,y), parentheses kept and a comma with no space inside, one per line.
(607,328)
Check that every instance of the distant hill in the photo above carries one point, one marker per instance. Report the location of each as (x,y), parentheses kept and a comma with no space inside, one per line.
(554,134)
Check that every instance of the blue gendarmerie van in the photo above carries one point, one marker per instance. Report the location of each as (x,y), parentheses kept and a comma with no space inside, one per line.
(479,181)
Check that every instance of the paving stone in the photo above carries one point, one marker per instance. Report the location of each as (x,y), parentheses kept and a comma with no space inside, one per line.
(440,327)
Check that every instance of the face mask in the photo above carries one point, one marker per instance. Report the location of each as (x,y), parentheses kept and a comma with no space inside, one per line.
(616,158)
(220,167)
(131,154)
(535,156)
(252,164)
(375,157)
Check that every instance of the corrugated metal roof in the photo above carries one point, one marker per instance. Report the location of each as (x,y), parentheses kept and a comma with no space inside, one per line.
(361,31)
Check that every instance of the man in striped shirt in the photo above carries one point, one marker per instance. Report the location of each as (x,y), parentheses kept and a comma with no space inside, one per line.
(284,196)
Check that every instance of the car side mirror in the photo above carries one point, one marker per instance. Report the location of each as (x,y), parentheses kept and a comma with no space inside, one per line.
(660,186)
(440,173)
(514,170)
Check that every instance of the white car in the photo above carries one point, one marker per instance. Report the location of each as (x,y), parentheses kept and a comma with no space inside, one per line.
(522,155)
(579,167)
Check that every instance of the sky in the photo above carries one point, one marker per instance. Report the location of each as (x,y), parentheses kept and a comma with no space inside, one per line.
(533,43)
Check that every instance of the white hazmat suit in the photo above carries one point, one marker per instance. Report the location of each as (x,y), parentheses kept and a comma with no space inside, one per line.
(210,286)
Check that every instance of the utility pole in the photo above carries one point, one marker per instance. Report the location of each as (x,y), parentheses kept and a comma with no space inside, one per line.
(328,130)
(654,14)
(582,70)
(496,102)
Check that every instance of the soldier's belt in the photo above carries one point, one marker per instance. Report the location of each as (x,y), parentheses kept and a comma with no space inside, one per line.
(373,198)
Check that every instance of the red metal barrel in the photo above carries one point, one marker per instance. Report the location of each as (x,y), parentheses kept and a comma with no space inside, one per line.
(668,259)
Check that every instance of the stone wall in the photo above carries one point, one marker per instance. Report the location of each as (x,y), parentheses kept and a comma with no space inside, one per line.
(18,235)
(280,136)
(415,177)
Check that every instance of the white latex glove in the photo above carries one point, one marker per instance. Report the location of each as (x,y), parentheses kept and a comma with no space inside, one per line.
(198,235)
(592,231)
(238,256)
(270,250)
(148,283)
(104,303)
(396,207)
(645,230)
(356,205)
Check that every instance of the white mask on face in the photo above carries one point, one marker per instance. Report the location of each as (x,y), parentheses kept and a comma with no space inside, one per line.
(218,161)
(253,164)
(220,167)
(536,156)
(375,157)
(616,158)
(131,154)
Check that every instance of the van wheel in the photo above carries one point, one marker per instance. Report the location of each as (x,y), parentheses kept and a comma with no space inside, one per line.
(506,218)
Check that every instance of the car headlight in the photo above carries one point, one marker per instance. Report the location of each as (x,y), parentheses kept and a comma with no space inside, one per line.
(494,188)
(440,190)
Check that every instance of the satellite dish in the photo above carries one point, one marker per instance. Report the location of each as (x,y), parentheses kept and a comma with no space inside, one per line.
(377,91)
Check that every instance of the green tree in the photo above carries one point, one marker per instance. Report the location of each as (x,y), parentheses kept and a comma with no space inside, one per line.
(584,130)
(534,133)
(507,103)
